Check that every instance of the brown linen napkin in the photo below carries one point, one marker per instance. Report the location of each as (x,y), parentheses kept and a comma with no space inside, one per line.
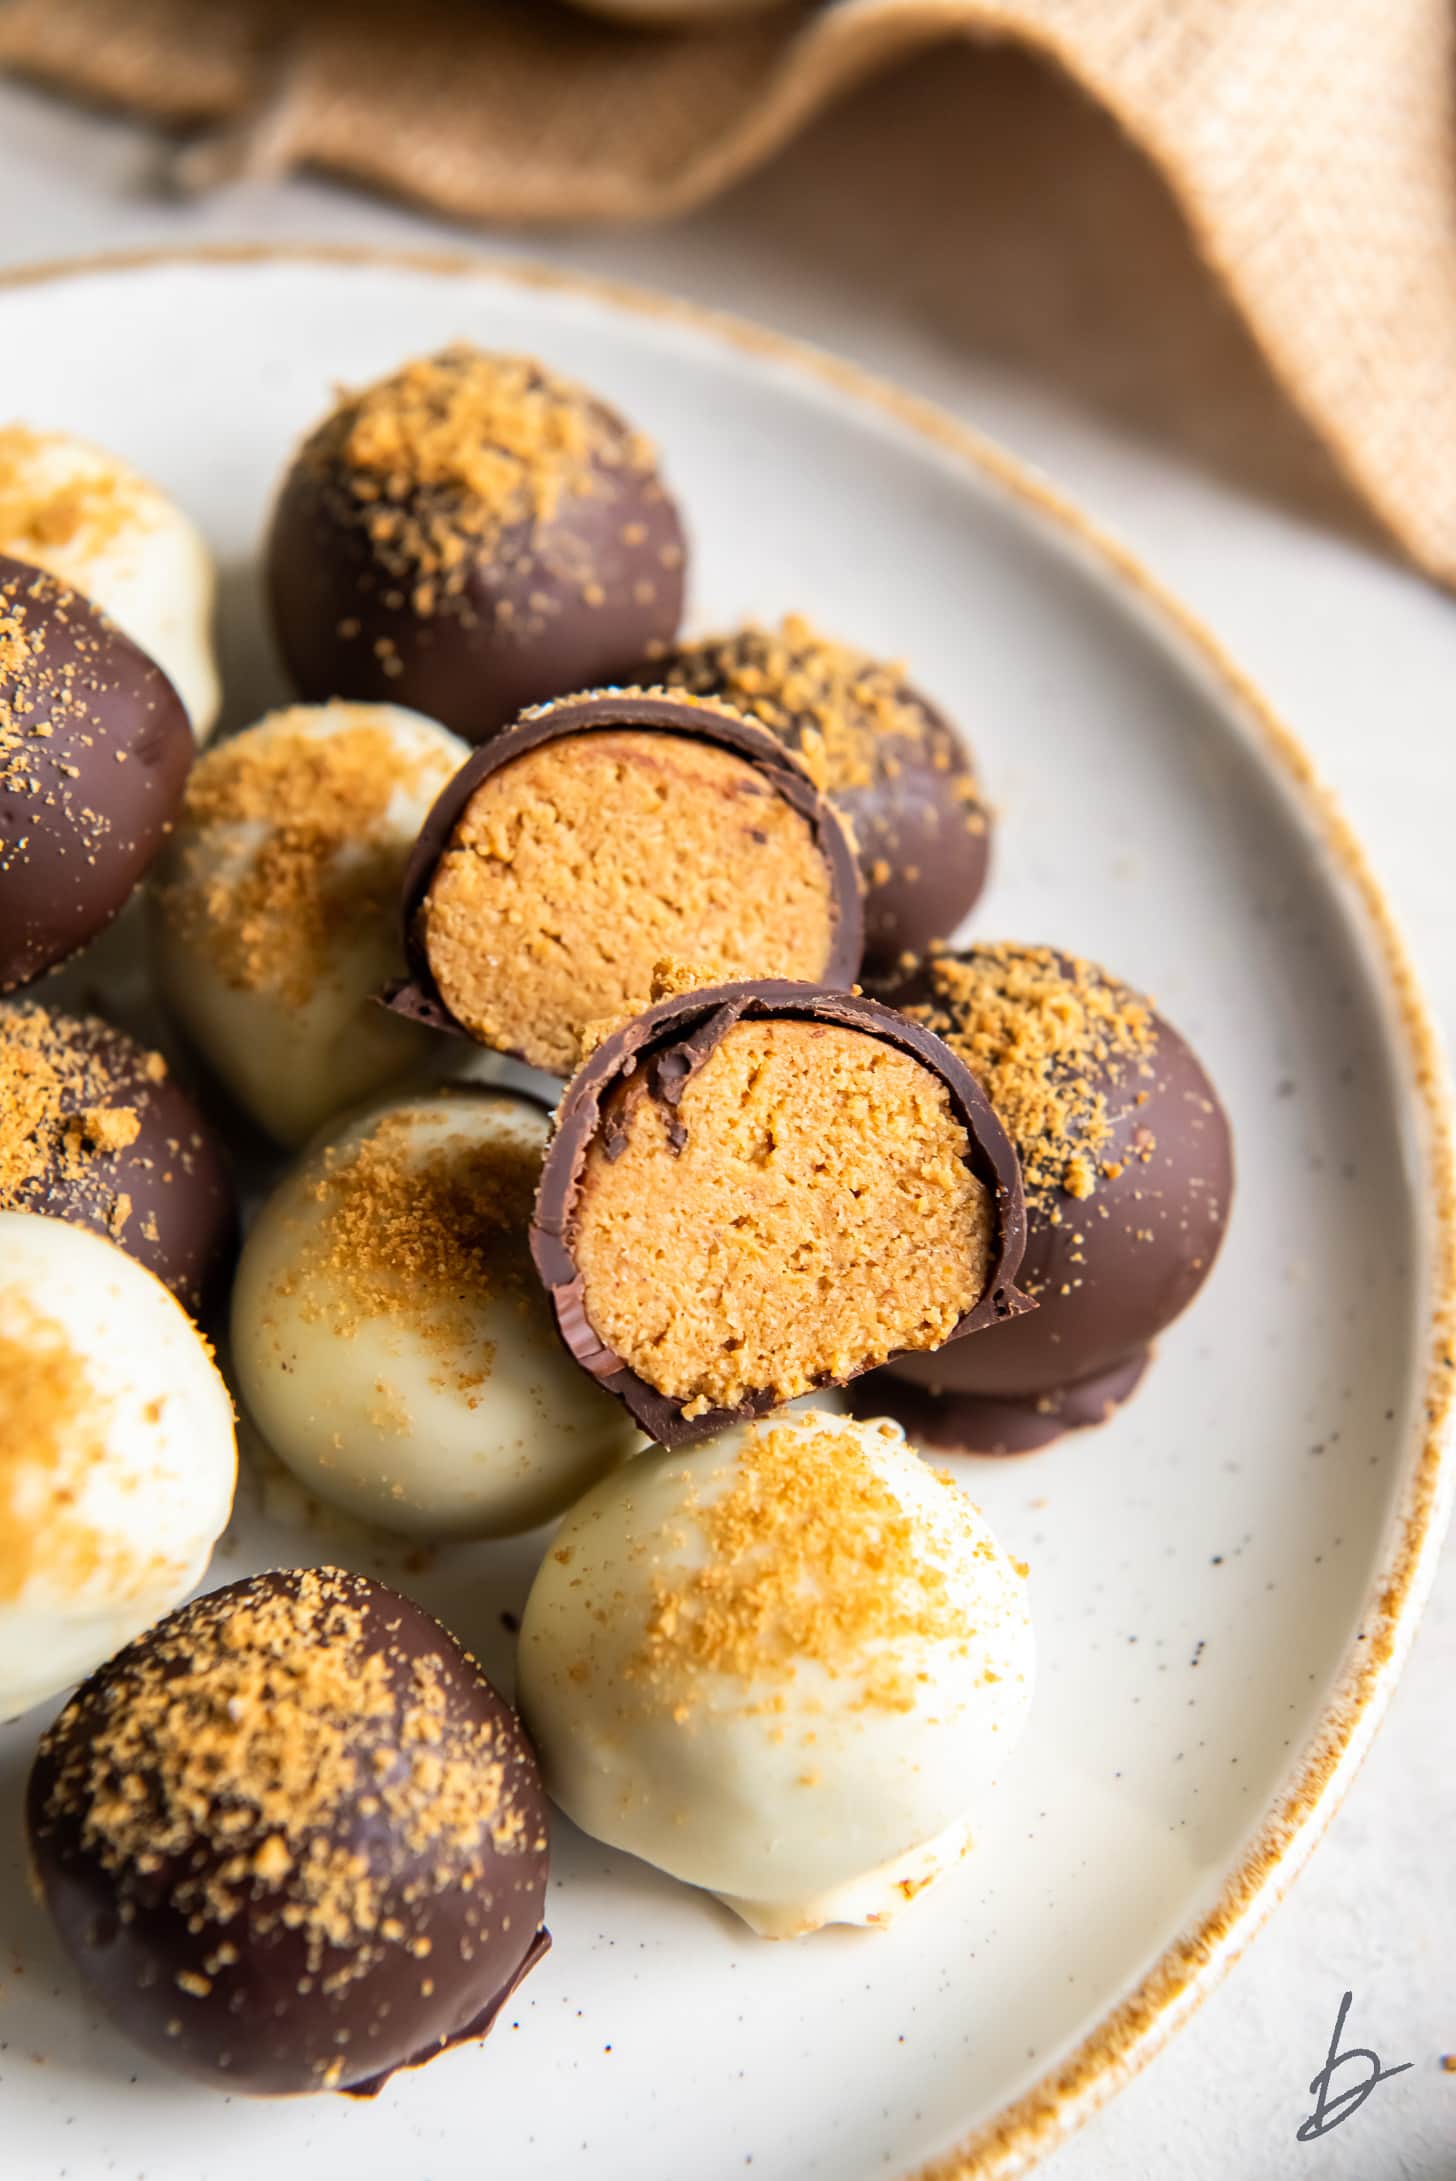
(1309,145)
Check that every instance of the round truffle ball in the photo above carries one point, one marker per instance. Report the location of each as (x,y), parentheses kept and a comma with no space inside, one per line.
(883,755)
(94,751)
(110,533)
(94,1129)
(275,909)
(756,1190)
(1127,1163)
(604,834)
(292,1838)
(117,1455)
(785,1666)
(390,1338)
(468,536)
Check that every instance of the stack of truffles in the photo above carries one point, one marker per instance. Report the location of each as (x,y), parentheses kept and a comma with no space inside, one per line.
(599,986)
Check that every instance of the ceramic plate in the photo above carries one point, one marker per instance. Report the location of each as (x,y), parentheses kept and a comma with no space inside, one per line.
(1224,1579)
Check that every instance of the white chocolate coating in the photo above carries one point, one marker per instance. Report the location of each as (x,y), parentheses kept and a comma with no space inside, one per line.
(808,1741)
(99,525)
(111,1508)
(294,1064)
(438,1408)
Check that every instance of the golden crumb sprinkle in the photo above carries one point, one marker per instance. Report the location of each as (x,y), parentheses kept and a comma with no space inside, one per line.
(445,459)
(852,719)
(79,515)
(423,1236)
(53,1427)
(59,1121)
(234,1742)
(52,659)
(322,865)
(812,1559)
(1048,1037)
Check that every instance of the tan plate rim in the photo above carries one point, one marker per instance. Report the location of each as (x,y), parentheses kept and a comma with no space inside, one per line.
(1189,1969)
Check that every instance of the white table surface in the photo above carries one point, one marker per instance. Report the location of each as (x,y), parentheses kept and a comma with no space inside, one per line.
(1360,656)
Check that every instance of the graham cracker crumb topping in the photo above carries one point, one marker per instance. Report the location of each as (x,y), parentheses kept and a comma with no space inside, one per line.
(425,1237)
(445,460)
(323,863)
(60,1121)
(1047,1037)
(50,694)
(852,719)
(812,1559)
(80,516)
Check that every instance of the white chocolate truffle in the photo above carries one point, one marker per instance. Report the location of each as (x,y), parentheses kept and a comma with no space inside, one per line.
(275,907)
(390,1338)
(117,1454)
(117,538)
(784,1665)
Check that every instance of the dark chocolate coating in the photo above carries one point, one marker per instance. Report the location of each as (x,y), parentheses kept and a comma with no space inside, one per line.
(670,1043)
(985,1423)
(456,1926)
(923,833)
(182,1217)
(95,746)
(608,709)
(1108,1272)
(526,625)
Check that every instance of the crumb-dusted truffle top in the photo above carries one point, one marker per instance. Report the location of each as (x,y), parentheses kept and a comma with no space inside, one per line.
(1053,1040)
(314,812)
(52,1429)
(439,462)
(421,1226)
(848,715)
(60,1113)
(814,1558)
(292,1749)
(79,510)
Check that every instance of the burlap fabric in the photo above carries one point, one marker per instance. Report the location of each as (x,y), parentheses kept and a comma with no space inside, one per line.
(1305,155)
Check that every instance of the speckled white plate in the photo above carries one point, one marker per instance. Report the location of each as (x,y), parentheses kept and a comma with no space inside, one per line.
(1224,1579)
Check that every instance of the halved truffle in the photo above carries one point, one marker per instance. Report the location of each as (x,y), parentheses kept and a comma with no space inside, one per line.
(470,535)
(882,753)
(1128,1167)
(760,1189)
(292,1837)
(603,834)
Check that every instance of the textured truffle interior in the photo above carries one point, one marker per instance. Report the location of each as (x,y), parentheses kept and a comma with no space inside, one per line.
(580,864)
(803,1212)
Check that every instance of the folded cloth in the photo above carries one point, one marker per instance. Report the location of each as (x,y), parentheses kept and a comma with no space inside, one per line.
(1309,146)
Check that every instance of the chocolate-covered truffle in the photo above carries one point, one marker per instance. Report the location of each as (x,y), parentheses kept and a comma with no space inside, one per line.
(94,751)
(1128,1169)
(760,1189)
(603,834)
(292,1837)
(468,536)
(94,1130)
(881,752)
